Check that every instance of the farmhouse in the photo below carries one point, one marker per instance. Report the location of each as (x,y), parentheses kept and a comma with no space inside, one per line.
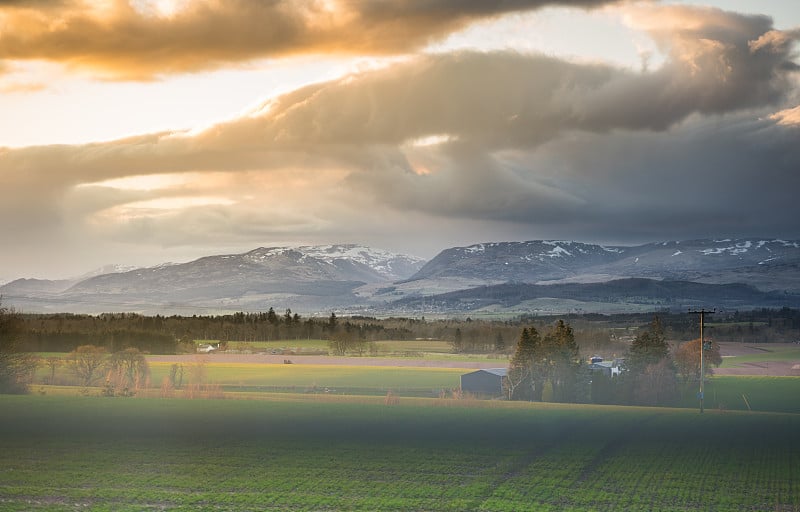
(610,368)
(487,382)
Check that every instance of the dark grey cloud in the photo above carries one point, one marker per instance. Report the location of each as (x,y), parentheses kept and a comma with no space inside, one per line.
(733,175)
(460,146)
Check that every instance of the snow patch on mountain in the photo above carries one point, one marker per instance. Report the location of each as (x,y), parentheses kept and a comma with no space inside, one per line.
(477,248)
(558,252)
(385,263)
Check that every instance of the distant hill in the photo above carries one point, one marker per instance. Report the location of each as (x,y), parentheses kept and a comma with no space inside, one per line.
(765,264)
(306,277)
(506,277)
(673,295)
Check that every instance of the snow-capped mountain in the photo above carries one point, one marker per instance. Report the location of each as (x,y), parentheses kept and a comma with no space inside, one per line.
(306,277)
(766,264)
(355,278)
(112,268)
(365,262)
(533,261)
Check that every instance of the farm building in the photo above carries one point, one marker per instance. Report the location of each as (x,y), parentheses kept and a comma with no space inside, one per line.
(610,368)
(484,382)
(207,348)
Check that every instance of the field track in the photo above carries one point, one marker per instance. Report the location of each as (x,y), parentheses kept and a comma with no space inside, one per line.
(773,368)
(768,367)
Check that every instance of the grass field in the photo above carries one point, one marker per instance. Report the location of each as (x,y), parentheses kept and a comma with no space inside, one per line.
(315,345)
(418,349)
(767,353)
(98,454)
(336,378)
(774,394)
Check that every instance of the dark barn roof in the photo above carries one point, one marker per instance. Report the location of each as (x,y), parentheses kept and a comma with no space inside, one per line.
(488,381)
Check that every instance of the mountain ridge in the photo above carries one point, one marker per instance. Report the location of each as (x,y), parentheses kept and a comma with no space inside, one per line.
(311,276)
(359,279)
(540,261)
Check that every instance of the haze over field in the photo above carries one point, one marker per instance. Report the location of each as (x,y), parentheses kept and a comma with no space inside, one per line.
(143,131)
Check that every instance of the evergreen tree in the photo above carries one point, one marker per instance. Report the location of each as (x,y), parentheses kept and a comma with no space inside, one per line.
(522,383)
(649,347)
(562,358)
(650,377)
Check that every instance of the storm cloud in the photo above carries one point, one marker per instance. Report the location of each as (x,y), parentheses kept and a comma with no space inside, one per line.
(495,144)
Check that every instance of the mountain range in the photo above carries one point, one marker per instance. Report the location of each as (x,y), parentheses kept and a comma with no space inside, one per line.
(502,277)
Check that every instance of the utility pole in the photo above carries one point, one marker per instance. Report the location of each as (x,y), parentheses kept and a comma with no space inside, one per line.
(702,314)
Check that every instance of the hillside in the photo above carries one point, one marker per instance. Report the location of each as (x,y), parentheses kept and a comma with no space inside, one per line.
(766,264)
(305,277)
(506,277)
(590,297)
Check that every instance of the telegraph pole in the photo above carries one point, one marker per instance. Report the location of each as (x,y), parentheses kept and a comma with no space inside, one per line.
(702,313)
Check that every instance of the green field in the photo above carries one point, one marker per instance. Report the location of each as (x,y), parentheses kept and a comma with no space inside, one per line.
(335,378)
(767,353)
(98,454)
(315,345)
(418,349)
(773,394)
(765,394)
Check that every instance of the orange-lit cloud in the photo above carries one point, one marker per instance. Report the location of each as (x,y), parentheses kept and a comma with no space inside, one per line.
(140,40)
(788,117)
(463,142)
(21,87)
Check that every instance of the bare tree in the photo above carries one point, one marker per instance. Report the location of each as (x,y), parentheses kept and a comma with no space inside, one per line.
(176,375)
(517,376)
(52,364)
(86,362)
(657,385)
(129,371)
(340,342)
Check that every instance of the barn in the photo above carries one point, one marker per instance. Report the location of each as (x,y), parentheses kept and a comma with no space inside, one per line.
(486,382)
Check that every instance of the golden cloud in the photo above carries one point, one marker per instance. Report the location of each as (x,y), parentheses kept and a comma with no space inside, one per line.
(124,39)
(463,137)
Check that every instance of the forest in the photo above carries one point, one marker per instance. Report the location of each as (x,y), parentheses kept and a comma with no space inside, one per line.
(593,333)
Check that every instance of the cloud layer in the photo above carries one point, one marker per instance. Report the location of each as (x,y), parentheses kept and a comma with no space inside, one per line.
(140,40)
(456,148)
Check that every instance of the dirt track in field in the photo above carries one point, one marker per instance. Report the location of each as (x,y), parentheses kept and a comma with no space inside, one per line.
(762,368)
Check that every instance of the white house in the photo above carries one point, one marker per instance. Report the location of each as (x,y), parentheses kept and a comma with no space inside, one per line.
(610,368)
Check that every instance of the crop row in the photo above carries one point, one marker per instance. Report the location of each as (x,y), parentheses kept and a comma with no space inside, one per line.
(106,454)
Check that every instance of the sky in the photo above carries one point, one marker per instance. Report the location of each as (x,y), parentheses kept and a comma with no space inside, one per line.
(138,132)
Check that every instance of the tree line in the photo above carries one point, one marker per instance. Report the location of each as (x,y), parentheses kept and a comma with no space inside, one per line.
(611,335)
(159,334)
(651,371)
